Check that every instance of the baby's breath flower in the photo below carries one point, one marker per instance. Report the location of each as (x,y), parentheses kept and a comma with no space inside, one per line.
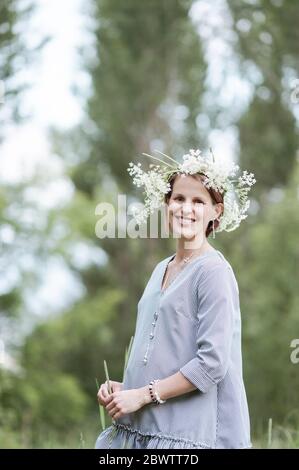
(217,175)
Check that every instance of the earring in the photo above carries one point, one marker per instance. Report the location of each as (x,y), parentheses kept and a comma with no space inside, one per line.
(213,229)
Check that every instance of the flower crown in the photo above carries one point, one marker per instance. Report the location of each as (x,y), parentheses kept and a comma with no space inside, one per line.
(217,175)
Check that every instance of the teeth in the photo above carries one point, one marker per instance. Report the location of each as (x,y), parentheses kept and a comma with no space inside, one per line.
(184,218)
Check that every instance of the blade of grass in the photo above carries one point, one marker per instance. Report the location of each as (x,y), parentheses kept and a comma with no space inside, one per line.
(108,382)
(82,442)
(158,159)
(107,377)
(172,159)
(102,411)
(127,355)
(270,432)
(102,417)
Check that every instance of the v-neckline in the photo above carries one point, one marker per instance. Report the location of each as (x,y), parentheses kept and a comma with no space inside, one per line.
(178,274)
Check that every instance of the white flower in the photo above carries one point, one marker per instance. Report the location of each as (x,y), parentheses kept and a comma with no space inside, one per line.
(247,179)
(218,175)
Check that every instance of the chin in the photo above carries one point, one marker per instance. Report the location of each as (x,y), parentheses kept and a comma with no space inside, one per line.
(188,235)
(183,232)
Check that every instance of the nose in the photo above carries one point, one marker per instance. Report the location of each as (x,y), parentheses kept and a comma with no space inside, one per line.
(187,209)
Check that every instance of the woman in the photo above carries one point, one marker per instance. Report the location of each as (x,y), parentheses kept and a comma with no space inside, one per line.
(183,385)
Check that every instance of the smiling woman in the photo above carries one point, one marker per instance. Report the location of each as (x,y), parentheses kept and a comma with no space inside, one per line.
(204,196)
(183,385)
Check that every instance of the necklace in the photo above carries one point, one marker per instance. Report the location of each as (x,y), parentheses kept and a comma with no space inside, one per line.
(185,260)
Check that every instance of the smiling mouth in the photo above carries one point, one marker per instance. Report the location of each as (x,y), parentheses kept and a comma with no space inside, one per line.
(185,219)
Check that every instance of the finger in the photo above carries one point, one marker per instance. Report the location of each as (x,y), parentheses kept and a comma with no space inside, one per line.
(110,406)
(111,386)
(109,398)
(104,387)
(113,411)
(103,400)
(104,391)
(116,387)
(101,396)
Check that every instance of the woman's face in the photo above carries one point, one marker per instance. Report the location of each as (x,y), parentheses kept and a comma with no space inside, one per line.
(190,207)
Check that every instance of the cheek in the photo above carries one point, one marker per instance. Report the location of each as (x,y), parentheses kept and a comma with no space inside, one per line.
(200,211)
(174,206)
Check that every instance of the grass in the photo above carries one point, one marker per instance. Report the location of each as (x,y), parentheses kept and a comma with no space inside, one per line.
(278,436)
(102,409)
(275,437)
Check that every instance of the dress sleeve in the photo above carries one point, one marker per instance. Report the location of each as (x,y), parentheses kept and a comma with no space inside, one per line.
(215,315)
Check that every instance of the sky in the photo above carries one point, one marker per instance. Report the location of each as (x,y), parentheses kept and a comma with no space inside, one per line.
(49,100)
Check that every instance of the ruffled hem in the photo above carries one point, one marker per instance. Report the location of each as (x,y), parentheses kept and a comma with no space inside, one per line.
(125,437)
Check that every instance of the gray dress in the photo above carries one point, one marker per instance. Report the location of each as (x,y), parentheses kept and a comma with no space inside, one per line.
(193,326)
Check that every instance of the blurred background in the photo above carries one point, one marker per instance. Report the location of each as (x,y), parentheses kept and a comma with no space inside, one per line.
(85,88)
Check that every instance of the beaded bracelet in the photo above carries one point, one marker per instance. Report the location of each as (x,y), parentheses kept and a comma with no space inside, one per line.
(154,394)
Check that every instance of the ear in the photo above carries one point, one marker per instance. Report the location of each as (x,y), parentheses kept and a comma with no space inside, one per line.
(218,209)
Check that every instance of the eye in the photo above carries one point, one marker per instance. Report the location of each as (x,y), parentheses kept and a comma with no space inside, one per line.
(198,201)
(179,198)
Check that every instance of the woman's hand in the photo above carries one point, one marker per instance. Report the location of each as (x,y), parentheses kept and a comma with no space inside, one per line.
(103,394)
(126,401)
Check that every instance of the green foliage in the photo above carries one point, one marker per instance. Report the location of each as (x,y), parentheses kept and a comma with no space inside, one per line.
(265,258)
(149,62)
(273,158)
(15,54)
(267,51)
(76,341)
